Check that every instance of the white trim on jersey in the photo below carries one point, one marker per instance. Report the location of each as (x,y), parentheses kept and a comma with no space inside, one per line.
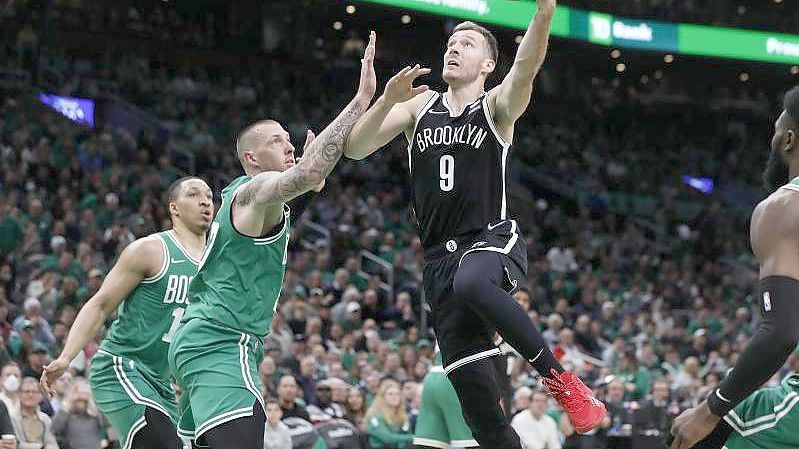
(180,246)
(505,147)
(164,266)
(491,124)
(429,442)
(464,443)
(506,250)
(793,187)
(274,238)
(470,106)
(419,116)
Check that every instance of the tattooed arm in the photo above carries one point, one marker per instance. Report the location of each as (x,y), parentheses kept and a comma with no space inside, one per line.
(259,206)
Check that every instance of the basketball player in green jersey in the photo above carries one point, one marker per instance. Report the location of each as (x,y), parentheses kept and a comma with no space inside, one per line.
(774,235)
(148,286)
(441,423)
(216,352)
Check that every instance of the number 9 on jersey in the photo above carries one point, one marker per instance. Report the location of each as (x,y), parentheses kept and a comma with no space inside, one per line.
(446,172)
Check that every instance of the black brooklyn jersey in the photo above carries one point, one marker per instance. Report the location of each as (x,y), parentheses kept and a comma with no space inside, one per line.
(457,169)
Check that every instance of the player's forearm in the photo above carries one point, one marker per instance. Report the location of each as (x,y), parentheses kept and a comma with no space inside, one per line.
(319,159)
(360,142)
(771,344)
(533,48)
(86,325)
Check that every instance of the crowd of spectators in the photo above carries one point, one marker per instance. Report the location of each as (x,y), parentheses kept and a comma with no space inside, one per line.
(651,315)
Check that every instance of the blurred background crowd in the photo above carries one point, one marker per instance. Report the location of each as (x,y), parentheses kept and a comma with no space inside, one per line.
(640,282)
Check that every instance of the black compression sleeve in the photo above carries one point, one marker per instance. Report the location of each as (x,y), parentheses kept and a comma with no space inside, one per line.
(772,343)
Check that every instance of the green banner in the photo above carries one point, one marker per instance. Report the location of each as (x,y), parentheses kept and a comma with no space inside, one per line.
(507,13)
(739,44)
(605,29)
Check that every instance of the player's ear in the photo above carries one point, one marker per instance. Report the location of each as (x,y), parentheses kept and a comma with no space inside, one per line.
(249,158)
(489,65)
(790,141)
(173,208)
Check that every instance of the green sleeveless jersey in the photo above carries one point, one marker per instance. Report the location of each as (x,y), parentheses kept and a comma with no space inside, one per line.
(240,278)
(151,313)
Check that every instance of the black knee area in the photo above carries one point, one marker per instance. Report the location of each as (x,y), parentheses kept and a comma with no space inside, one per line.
(479,394)
(159,433)
(240,433)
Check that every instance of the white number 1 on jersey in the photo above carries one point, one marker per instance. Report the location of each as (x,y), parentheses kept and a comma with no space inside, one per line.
(446,166)
(177,314)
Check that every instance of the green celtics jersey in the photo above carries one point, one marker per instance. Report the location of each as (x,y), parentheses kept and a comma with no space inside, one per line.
(151,313)
(767,419)
(240,277)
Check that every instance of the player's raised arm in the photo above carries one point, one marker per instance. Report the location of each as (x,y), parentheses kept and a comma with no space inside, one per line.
(391,114)
(512,96)
(321,153)
(141,258)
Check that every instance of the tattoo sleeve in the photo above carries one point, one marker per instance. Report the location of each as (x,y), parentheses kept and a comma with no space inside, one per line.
(317,162)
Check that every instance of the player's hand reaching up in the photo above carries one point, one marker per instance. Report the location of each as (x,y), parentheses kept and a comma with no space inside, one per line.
(368,84)
(546,6)
(400,88)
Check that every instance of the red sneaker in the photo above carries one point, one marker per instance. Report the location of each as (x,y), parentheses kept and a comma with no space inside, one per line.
(584,410)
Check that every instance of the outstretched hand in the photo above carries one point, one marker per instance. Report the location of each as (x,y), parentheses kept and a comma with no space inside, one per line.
(368,83)
(400,87)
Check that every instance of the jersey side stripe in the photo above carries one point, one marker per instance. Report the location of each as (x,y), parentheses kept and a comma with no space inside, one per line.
(164,266)
(491,124)
(419,117)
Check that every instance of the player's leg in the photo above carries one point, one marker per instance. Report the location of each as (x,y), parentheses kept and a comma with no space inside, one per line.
(218,372)
(131,402)
(431,424)
(466,349)
(159,432)
(479,395)
(242,433)
(479,284)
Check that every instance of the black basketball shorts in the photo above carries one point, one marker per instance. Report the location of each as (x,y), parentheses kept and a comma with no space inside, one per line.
(462,334)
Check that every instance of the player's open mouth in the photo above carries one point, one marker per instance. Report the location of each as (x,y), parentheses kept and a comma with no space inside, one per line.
(452,64)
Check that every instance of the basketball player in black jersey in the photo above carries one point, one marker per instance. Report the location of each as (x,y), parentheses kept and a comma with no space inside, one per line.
(474,255)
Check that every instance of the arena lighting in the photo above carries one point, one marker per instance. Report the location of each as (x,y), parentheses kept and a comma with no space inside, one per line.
(620,67)
(350,9)
(518,39)
(406,19)
(658,74)
(741,10)
(337,25)
(795,70)
(619,32)
(744,77)
(644,79)
(668,59)
(615,53)
(778,1)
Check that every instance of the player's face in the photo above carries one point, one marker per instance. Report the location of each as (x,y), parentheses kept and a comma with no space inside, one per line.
(466,57)
(784,139)
(275,152)
(195,204)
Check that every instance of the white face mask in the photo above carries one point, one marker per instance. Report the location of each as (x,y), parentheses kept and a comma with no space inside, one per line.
(11,384)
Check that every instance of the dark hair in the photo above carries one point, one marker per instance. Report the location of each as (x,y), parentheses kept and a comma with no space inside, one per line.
(174,189)
(791,103)
(491,41)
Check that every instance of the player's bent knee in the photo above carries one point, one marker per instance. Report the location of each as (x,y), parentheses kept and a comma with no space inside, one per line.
(159,433)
